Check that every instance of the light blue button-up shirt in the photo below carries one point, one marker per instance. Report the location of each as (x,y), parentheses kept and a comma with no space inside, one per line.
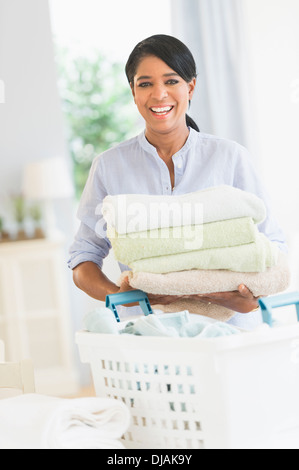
(134,167)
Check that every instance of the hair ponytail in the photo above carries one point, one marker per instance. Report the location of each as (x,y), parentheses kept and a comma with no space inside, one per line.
(191,123)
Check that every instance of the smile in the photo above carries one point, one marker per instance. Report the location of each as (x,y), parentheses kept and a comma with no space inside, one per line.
(162,111)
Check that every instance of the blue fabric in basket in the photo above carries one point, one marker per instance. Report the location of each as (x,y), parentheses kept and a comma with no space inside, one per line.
(101,320)
(158,325)
(173,325)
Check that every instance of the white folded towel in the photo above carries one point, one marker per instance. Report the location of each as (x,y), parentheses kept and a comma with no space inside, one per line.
(40,422)
(129,213)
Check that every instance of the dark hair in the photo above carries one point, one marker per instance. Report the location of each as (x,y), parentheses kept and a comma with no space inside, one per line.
(173,52)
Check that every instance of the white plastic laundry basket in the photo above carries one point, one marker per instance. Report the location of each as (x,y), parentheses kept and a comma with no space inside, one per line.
(187,393)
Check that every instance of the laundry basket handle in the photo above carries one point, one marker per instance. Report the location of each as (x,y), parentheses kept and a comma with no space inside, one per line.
(283,300)
(129,297)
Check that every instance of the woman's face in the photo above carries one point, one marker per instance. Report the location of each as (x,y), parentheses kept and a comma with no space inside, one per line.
(161,95)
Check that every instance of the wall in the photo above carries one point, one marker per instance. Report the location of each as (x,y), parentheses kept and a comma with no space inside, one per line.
(2,92)
(30,120)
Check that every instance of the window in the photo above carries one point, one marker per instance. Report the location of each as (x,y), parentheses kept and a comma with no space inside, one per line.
(92,43)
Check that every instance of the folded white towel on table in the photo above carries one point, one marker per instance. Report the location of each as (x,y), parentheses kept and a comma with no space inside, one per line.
(129,213)
(40,422)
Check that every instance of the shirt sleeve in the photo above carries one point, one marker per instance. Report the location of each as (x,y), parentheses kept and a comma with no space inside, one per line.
(91,242)
(246,178)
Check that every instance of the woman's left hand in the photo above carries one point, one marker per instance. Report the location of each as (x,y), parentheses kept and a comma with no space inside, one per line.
(241,301)
(153,299)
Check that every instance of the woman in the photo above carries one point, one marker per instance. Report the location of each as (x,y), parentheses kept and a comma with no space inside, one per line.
(170,157)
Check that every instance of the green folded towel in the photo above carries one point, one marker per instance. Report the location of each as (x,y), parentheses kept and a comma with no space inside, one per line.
(252,257)
(168,241)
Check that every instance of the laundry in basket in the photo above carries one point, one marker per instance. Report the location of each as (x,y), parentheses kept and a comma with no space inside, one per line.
(176,324)
(237,391)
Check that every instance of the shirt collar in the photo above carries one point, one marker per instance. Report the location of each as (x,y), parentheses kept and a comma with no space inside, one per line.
(144,143)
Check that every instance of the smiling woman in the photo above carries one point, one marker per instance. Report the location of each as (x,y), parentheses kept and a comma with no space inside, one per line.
(162,100)
(150,65)
(171,157)
(163,84)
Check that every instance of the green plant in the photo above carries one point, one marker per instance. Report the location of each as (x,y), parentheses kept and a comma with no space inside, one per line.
(19,208)
(35,213)
(98,106)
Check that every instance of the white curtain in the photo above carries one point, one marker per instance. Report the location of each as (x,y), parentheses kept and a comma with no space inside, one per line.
(214,32)
(247,52)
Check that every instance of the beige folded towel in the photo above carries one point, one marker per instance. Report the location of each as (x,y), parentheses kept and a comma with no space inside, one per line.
(270,282)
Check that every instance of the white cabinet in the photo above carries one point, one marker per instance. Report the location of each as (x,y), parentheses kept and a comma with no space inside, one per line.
(35,313)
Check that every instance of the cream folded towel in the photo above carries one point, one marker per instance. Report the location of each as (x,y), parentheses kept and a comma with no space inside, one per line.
(128,213)
(173,240)
(270,282)
(39,422)
(273,281)
(253,257)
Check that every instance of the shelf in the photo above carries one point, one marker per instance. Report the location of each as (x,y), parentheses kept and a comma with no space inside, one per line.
(35,320)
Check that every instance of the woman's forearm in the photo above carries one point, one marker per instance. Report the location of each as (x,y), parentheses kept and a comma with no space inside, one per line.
(90,279)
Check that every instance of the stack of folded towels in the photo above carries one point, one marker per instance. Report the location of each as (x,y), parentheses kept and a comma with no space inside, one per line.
(198,243)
